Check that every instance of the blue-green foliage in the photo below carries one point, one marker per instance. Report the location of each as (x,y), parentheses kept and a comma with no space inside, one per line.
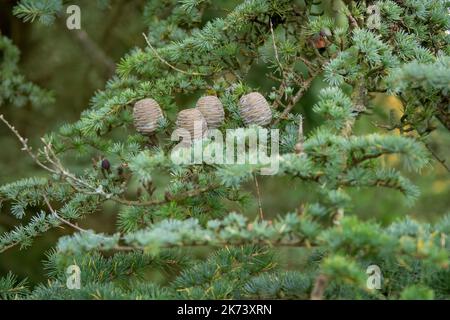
(15,90)
(407,56)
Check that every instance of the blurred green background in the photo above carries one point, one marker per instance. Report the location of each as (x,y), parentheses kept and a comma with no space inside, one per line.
(53,59)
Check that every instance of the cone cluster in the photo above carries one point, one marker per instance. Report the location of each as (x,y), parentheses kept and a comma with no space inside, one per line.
(208,114)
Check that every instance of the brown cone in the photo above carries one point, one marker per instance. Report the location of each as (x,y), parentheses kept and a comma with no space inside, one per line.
(212,110)
(255,109)
(189,118)
(146,115)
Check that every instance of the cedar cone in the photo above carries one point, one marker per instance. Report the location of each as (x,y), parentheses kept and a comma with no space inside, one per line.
(146,115)
(190,119)
(212,110)
(255,109)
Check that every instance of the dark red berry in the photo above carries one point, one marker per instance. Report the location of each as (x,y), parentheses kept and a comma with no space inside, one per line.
(106,165)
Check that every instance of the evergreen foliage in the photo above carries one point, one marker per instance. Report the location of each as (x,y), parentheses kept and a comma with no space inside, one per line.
(15,90)
(407,56)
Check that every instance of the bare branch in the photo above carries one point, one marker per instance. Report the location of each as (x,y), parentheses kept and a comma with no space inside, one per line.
(25,146)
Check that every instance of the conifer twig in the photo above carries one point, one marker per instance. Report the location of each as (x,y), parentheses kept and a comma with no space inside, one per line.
(258,192)
(168,197)
(283,79)
(436,156)
(297,244)
(79,229)
(299,149)
(352,21)
(275,48)
(12,245)
(57,216)
(25,146)
(55,161)
(166,62)
(305,86)
(320,285)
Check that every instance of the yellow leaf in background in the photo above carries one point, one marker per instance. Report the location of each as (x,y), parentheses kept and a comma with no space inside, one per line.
(440,186)
(420,245)
(392,160)
(393,103)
